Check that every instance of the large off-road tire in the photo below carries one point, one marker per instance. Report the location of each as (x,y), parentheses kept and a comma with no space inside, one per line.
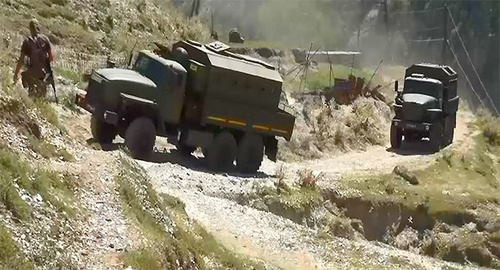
(183,148)
(451,136)
(222,152)
(102,131)
(436,137)
(396,137)
(140,137)
(449,130)
(250,153)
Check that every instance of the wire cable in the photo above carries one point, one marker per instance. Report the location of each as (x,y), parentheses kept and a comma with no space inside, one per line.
(470,60)
(465,74)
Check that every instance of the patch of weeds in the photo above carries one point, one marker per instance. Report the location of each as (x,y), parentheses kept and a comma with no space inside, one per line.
(308,179)
(12,170)
(489,127)
(12,200)
(176,241)
(10,255)
(69,74)
(301,199)
(54,188)
(146,258)
(18,104)
(48,150)
(47,111)
(296,200)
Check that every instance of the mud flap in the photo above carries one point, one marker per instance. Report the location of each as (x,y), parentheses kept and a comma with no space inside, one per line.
(272,148)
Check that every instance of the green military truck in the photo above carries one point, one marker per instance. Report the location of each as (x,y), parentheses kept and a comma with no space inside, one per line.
(427,106)
(202,95)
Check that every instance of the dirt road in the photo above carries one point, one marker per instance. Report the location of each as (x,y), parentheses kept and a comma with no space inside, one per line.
(213,201)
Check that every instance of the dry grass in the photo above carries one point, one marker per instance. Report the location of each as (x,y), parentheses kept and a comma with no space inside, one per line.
(330,129)
(308,179)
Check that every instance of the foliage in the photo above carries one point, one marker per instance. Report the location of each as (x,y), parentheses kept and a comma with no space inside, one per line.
(10,256)
(490,128)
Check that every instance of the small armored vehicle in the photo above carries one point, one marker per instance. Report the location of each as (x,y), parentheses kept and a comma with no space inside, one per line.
(427,106)
(202,95)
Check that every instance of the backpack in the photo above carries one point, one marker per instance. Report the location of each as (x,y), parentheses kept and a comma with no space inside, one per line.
(38,56)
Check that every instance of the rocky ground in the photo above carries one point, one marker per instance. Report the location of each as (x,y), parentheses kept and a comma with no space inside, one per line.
(217,202)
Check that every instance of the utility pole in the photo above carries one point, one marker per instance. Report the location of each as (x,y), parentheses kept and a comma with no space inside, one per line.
(445,34)
(195,8)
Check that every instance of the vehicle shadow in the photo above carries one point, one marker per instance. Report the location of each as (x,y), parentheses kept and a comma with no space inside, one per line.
(192,162)
(196,163)
(422,148)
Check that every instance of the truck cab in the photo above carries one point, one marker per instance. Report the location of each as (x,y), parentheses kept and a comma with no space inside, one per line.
(426,107)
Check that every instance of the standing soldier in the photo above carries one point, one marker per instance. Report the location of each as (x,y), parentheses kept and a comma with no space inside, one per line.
(37,51)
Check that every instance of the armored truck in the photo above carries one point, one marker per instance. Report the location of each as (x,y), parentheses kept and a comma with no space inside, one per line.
(202,95)
(426,107)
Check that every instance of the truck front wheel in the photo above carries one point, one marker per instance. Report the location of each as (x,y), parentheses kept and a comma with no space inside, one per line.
(396,136)
(222,152)
(140,137)
(102,131)
(436,136)
(250,153)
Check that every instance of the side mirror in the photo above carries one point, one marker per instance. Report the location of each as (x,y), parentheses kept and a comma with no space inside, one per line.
(396,86)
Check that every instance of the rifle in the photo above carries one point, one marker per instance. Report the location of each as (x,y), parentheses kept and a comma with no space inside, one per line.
(50,78)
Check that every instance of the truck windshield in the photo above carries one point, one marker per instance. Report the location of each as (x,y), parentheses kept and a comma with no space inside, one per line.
(423,87)
(152,69)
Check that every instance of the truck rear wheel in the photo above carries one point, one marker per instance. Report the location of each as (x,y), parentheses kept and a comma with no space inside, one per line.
(222,152)
(396,136)
(185,149)
(102,131)
(140,137)
(436,136)
(182,147)
(250,153)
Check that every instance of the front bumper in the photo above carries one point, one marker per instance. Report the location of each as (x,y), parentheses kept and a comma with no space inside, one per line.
(81,101)
(108,116)
(410,125)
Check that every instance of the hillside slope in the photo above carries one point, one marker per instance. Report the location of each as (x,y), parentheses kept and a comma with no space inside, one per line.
(64,203)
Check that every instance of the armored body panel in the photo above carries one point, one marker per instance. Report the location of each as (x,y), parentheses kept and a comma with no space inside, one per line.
(234,80)
(448,78)
(106,85)
(235,91)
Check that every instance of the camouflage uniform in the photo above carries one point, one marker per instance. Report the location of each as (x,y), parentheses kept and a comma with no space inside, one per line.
(36,53)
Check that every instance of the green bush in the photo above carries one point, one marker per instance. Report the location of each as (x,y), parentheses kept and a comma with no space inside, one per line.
(489,125)
(10,257)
